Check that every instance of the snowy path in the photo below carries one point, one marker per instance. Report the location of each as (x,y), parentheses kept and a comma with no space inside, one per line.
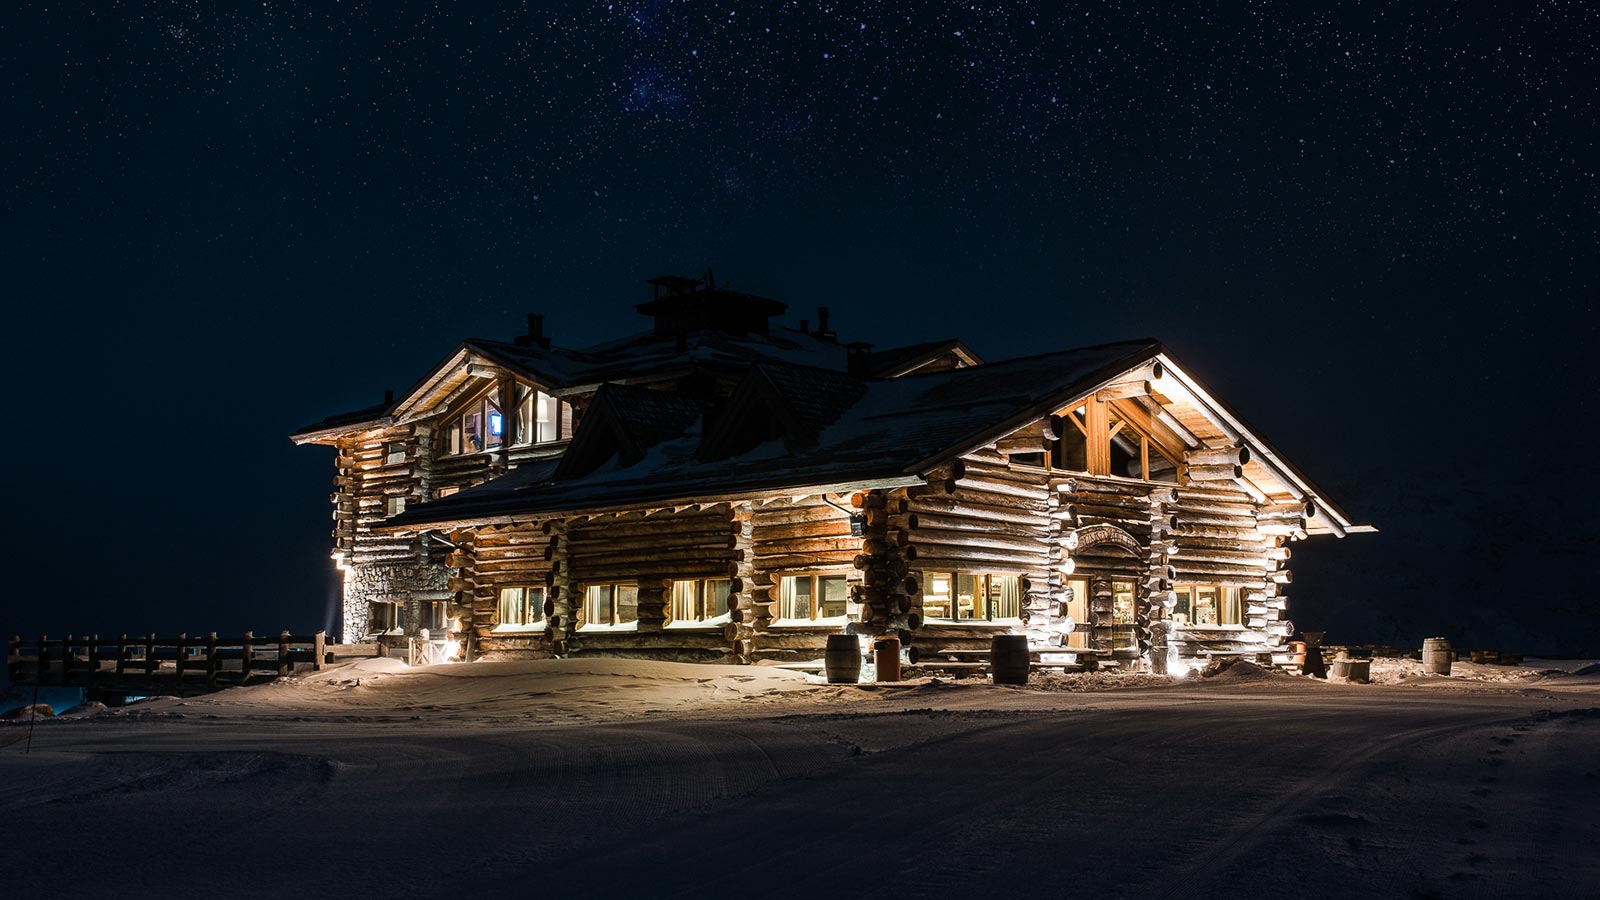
(1187,791)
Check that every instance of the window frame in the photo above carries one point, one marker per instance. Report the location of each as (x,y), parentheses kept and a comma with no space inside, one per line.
(814,581)
(1222,603)
(396,615)
(615,607)
(701,601)
(520,430)
(988,581)
(393,505)
(533,617)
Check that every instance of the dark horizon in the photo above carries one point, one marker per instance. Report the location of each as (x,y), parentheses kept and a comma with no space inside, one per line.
(1374,236)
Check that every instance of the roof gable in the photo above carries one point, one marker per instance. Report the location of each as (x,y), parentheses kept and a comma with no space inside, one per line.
(623,423)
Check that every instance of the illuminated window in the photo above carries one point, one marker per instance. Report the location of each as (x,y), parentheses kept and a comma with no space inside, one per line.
(479,427)
(443,492)
(521,608)
(394,452)
(383,617)
(610,605)
(433,617)
(699,600)
(394,506)
(1207,604)
(812,598)
(967,596)
(541,418)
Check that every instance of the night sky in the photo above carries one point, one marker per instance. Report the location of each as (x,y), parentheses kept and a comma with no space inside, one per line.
(1373,231)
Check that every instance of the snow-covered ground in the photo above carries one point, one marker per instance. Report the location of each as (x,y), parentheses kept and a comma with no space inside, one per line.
(609,778)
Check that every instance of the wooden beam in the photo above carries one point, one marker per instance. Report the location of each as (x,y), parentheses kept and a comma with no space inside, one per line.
(1124,390)
(1168,442)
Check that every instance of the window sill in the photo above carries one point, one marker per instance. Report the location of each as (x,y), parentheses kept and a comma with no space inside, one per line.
(712,624)
(974,623)
(603,629)
(518,629)
(814,624)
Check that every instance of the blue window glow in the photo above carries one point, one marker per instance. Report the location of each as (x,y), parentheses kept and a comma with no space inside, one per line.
(496,423)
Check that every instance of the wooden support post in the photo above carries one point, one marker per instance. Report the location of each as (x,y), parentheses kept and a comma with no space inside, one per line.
(1098,424)
(94,657)
(213,664)
(66,659)
(285,667)
(319,649)
(150,658)
(43,665)
(183,643)
(248,657)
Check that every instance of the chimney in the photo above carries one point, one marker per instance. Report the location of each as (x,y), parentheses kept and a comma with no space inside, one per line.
(858,358)
(535,335)
(822,325)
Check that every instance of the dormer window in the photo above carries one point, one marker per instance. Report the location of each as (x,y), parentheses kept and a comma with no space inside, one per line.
(480,426)
(541,418)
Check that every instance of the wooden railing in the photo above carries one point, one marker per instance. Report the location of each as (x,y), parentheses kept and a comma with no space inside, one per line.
(164,665)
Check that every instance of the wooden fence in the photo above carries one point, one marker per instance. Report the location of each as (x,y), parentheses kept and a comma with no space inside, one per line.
(161,665)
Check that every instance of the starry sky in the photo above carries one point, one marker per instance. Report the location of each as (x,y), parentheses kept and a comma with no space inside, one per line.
(1371,229)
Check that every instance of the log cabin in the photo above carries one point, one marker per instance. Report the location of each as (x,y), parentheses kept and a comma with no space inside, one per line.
(725,488)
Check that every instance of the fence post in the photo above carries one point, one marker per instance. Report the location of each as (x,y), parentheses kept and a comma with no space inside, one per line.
(183,641)
(94,657)
(66,660)
(249,657)
(122,655)
(43,666)
(14,658)
(319,649)
(213,666)
(284,666)
(150,658)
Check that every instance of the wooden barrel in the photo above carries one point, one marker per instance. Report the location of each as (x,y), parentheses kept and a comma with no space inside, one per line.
(886,656)
(1436,656)
(1008,658)
(842,659)
(1297,653)
(1355,670)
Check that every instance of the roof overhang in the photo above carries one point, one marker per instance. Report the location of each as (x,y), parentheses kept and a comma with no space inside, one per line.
(681,502)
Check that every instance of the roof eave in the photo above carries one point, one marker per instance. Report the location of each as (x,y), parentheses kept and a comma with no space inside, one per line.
(403,524)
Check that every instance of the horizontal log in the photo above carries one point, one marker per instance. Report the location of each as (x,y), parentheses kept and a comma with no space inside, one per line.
(960,506)
(1029,544)
(1034,493)
(1218,456)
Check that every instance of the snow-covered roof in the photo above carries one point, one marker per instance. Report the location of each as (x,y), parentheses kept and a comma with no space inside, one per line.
(867,430)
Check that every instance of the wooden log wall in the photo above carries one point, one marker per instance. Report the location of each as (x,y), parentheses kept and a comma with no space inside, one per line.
(1110,530)
(650,549)
(889,595)
(793,536)
(749,592)
(801,535)
(505,556)
(982,514)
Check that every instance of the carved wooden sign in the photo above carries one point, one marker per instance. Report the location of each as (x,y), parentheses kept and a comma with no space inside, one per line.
(1090,535)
